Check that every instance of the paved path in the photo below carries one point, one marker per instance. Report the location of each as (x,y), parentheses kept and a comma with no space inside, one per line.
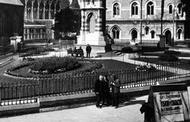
(127,112)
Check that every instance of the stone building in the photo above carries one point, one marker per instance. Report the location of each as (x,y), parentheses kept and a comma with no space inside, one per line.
(39,19)
(140,20)
(11,22)
(92,22)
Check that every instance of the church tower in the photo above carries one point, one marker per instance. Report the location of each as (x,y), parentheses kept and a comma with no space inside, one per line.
(92,22)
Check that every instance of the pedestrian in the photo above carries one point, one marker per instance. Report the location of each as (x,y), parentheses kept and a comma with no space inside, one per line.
(88,50)
(81,52)
(106,91)
(115,92)
(99,91)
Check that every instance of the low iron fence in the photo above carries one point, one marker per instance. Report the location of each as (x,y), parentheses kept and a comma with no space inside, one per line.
(57,84)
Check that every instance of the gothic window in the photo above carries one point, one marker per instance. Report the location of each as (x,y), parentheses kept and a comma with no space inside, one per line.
(150,8)
(35,9)
(91,23)
(134,9)
(116,9)
(41,10)
(115,32)
(52,10)
(170,9)
(179,33)
(47,11)
(134,34)
(29,8)
(146,30)
(179,8)
(152,34)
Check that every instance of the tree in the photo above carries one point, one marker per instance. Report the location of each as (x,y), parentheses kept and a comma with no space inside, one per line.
(67,21)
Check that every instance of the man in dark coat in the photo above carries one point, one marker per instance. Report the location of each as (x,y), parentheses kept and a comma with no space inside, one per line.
(115,92)
(106,91)
(99,91)
(88,51)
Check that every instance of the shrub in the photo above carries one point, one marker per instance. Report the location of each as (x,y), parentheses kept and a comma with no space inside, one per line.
(55,64)
(127,50)
(168,57)
(169,52)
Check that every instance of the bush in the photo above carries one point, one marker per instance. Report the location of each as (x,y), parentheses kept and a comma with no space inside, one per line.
(55,64)
(172,52)
(127,50)
(168,57)
(145,68)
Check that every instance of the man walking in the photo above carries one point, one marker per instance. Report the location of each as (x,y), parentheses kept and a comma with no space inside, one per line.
(88,50)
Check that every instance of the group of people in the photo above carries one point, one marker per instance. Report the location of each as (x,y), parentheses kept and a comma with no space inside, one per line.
(79,52)
(107,91)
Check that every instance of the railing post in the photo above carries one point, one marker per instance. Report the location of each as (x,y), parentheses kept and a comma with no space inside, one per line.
(0,92)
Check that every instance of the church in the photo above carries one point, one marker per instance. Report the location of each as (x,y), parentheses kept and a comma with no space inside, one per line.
(11,22)
(126,21)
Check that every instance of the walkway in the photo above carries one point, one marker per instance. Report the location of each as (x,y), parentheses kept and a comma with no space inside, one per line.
(127,112)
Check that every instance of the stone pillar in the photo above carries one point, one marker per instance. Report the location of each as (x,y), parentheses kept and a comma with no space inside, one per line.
(38,11)
(32,11)
(25,10)
(44,11)
(49,11)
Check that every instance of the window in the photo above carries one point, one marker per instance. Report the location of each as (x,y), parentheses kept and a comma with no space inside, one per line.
(134,35)
(150,8)
(115,33)
(134,9)
(179,33)
(152,34)
(170,9)
(116,9)
(146,30)
(179,8)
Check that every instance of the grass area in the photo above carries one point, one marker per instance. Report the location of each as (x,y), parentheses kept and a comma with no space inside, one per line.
(183,64)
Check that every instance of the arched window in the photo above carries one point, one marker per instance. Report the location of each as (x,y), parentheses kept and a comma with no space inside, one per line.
(179,33)
(52,10)
(134,9)
(152,34)
(146,30)
(150,8)
(134,34)
(179,8)
(29,9)
(116,9)
(91,23)
(115,32)
(47,11)
(170,9)
(41,10)
(35,9)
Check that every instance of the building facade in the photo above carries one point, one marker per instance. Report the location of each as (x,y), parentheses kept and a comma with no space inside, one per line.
(39,19)
(11,22)
(145,20)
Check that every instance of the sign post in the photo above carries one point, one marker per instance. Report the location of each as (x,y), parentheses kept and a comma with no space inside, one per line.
(170,103)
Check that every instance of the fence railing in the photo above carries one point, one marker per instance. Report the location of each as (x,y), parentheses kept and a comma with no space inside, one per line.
(83,83)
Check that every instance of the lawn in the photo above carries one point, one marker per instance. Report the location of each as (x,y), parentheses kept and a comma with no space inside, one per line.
(182,63)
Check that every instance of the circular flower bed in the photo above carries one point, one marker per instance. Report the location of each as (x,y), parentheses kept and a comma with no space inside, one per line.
(60,66)
(54,65)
